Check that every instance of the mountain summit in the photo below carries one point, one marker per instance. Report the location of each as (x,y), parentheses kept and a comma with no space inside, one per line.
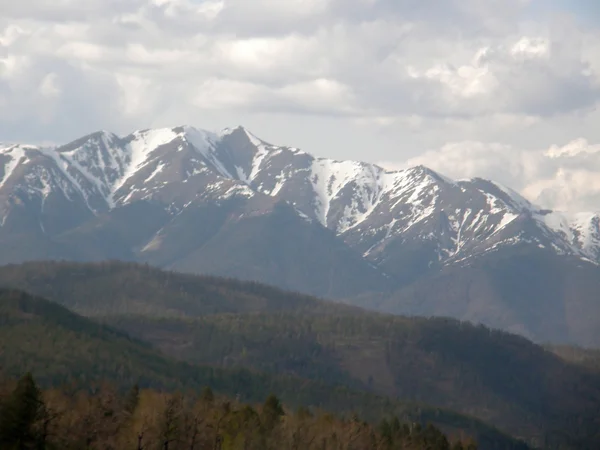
(370,208)
(232,204)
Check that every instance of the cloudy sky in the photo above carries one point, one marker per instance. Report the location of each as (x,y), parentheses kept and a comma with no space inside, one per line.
(504,89)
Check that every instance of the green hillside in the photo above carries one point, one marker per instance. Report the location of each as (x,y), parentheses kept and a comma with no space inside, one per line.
(110,288)
(61,347)
(500,378)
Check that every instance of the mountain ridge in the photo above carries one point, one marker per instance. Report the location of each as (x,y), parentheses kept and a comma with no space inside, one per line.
(109,171)
(230,204)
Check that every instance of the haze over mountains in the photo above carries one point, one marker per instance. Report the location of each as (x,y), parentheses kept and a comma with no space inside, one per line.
(408,241)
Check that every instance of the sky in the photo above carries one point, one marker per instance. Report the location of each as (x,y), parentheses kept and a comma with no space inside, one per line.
(501,89)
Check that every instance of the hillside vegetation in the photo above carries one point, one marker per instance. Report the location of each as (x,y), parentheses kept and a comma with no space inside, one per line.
(498,377)
(506,380)
(106,419)
(62,348)
(111,288)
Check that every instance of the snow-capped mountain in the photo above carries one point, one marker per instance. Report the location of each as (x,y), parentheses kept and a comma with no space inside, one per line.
(373,210)
(231,204)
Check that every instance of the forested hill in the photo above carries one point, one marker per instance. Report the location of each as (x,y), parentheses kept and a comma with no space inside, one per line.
(111,288)
(64,349)
(503,379)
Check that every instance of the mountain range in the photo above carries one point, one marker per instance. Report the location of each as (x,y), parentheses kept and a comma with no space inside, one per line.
(230,204)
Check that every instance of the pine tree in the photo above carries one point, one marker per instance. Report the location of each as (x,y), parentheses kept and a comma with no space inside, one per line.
(132,400)
(272,411)
(19,414)
(457,446)
(207,396)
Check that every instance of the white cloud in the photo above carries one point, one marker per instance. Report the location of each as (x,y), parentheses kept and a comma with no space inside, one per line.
(414,74)
(218,93)
(49,87)
(394,58)
(528,47)
(10,35)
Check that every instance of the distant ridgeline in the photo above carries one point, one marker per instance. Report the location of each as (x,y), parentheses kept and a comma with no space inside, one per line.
(149,419)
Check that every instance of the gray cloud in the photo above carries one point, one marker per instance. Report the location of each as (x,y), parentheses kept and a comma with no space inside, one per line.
(62,11)
(365,57)
(413,74)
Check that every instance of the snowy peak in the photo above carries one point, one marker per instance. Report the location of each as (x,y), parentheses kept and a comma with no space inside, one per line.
(242,153)
(578,233)
(11,157)
(350,193)
(98,158)
(241,133)
(373,210)
(586,234)
(343,191)
(250,158)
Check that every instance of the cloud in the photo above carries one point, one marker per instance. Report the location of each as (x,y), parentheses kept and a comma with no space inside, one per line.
(455,59)
(422,72)
(565,178)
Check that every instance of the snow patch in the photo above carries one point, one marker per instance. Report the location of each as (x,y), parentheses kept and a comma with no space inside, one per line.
(329,178)
(204,143)
(238,190)
(159,169)
(16,155)
(139,149)
(507,218)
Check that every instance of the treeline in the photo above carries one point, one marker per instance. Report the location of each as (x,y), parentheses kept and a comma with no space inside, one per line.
(112,288)
(103,418)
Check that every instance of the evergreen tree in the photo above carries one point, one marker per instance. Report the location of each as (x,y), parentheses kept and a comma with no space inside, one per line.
(132,400)
(19,414)
(457,446)
(207,395)
(272,411)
